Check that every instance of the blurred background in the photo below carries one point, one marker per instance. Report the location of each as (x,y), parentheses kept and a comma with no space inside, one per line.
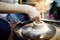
(50,13)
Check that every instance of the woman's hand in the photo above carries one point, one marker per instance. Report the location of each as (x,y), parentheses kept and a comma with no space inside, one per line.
(31,11)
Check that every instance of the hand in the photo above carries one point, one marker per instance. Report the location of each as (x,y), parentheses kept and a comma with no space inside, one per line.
(31,11)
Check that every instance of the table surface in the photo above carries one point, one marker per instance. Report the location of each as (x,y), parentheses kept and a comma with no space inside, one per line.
(49,20)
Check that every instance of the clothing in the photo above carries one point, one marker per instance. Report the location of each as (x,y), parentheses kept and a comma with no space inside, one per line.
(13,18)
(4,15)
(4,30)
(4,25)
(18,18)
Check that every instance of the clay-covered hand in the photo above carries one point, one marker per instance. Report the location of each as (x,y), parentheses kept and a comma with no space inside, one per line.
(31,11)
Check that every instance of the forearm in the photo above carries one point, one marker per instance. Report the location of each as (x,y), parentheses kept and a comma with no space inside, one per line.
(17,8)
(12,8)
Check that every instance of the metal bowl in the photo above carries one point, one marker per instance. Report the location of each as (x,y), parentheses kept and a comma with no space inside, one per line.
(41,31)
